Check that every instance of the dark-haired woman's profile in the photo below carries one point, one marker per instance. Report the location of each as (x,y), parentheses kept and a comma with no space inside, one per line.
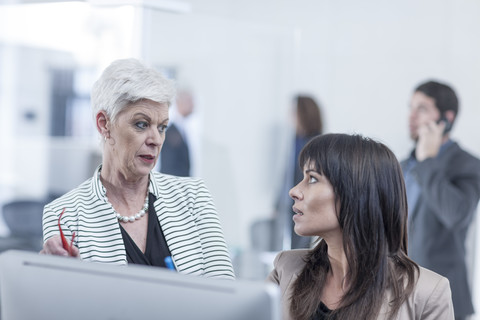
(353,198)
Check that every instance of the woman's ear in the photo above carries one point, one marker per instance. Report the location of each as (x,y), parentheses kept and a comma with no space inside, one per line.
(103,124)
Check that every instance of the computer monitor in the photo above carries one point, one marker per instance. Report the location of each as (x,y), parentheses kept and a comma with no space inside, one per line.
(34,286)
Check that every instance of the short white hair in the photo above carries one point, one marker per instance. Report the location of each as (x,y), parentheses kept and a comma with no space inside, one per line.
(127,81)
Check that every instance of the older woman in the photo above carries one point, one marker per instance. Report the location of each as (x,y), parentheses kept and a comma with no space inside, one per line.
(353,197)
(127,212)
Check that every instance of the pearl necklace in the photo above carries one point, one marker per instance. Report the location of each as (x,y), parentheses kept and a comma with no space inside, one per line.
(133,218)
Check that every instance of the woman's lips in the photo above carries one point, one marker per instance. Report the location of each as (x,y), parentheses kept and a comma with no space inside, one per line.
(297,211)
(147,157)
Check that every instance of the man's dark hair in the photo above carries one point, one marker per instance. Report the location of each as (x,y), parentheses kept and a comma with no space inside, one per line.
(444,96)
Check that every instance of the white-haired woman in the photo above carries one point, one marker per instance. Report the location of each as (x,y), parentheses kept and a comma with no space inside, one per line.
(127,212)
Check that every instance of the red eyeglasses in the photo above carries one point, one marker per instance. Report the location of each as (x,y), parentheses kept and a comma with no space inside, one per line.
(67,247)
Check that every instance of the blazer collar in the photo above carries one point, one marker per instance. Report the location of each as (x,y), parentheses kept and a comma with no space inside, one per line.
(182,247)
(101,192)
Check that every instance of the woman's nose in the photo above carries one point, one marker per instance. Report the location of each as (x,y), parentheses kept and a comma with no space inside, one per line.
(295,193)
(155,138)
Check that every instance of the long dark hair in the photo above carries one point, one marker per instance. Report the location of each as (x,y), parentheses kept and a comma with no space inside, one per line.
(444,96)
(309,116)
(368,184)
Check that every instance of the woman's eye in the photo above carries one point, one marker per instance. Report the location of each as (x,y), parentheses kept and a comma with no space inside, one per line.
(141,125)
(162,128)
(312,179)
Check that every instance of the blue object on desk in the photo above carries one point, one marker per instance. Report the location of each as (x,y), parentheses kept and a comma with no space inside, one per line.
(169,263)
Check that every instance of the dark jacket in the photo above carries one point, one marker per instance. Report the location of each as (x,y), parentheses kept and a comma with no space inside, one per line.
(438,224)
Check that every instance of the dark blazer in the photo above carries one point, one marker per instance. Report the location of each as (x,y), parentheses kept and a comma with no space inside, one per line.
(430,300)
(175,158)
(438,224)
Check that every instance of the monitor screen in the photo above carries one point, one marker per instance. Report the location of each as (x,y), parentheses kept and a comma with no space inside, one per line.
(34,286)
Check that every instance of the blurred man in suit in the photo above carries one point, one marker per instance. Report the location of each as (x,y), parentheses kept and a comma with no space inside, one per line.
(443,189)
(175,159)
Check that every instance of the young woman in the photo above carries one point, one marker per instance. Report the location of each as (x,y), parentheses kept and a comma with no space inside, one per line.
(353,198)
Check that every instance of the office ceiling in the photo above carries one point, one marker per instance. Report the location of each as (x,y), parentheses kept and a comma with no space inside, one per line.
(176,6)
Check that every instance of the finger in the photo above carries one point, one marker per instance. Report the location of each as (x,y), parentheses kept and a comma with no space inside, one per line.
(54,246)
(75,252)
(434,127)
(61,252)
(431,125)
(441,126)
(423,130)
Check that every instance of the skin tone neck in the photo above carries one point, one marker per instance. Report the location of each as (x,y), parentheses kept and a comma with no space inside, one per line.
(130,193)
(118,183)
(338,261)
(337,279)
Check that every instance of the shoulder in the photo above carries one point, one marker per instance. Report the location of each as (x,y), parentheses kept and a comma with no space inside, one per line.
(454,162)
(429,283)
(290,260)
(288,265)
(162,178)
(432,296)
(177,184)
(82,193)
(460,154)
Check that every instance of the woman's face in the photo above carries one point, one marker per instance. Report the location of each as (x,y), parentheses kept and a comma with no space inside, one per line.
(136,138)
(315,212)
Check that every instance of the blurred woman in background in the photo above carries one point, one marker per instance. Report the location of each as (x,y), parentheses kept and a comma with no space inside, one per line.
(308,124)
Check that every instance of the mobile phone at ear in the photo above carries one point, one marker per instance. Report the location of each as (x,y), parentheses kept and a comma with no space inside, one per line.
(448,124)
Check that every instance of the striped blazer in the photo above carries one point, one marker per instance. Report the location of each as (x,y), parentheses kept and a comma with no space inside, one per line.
(185,212)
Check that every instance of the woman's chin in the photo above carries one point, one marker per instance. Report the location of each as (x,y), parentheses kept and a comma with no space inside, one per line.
(300,232)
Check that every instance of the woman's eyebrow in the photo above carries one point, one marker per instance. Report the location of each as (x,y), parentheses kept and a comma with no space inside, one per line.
(141,114)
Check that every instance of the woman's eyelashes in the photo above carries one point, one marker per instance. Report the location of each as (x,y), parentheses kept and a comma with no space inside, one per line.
(312,179)
(142,125)
(162,128)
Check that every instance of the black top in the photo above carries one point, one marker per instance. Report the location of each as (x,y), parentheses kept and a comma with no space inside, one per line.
(322,312)
(156,249)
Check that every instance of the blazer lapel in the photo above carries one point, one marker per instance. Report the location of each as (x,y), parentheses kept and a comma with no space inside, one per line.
(180,230)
